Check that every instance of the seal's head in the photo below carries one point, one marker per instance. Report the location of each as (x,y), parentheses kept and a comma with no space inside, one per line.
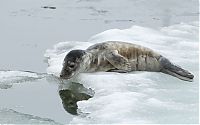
(72,63)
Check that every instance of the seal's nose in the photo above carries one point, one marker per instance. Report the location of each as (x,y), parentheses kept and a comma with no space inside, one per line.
(61,75)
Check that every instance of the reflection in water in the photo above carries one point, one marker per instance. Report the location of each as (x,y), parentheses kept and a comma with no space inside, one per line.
(71,93)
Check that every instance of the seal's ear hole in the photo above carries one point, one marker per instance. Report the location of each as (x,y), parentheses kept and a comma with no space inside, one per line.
(79,59)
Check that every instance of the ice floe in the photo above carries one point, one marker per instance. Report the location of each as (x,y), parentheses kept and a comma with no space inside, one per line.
(9,116)
(139,97)
(8,78)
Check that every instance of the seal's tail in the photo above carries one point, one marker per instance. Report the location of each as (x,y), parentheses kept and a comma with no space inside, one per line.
(174,70)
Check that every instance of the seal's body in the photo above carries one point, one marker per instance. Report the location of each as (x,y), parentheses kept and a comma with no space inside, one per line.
(123,56)
(120,57)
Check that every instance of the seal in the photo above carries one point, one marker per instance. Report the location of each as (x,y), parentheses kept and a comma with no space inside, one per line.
(122,57)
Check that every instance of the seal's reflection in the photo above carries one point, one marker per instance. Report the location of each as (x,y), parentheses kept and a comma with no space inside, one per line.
(71,93)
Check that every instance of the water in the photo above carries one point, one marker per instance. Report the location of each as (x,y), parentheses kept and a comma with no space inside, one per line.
(28,30)
(38,98)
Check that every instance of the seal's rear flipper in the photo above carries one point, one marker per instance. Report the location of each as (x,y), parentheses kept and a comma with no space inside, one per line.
(171,69)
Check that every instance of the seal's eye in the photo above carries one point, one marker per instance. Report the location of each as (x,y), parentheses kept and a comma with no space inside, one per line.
(70,64)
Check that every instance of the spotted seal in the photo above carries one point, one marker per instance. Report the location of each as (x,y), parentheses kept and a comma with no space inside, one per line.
(120,57)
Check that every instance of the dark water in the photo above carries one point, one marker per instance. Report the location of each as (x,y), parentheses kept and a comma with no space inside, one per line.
(27,29)
(71,93)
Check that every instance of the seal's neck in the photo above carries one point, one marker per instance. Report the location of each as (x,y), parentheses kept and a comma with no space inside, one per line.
(85,66)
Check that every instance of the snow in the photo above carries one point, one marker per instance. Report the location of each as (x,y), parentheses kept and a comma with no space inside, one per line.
(139,97)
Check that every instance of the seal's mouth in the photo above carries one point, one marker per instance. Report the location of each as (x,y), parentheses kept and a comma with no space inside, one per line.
(66,77)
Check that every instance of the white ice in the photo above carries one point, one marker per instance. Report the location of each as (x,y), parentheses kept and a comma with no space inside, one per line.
(139,97)
(8,78)
(9,116)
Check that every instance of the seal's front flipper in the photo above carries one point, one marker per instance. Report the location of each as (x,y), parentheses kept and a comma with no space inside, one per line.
(118,61)
(171,69)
